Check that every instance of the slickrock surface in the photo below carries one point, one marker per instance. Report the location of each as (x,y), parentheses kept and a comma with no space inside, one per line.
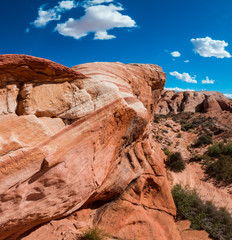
(189,234)
(76,151)
(191,101)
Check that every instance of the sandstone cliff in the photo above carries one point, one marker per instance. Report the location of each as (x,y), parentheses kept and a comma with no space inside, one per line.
(191,101)
(76,151)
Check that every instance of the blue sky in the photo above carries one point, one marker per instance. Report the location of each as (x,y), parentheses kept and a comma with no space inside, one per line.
(191,40)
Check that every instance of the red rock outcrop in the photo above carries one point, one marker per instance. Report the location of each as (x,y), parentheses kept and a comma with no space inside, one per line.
(192,101)
(76,146)
(189,234)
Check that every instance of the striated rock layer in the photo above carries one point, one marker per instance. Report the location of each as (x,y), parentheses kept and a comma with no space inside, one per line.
(76,151)
(192,101)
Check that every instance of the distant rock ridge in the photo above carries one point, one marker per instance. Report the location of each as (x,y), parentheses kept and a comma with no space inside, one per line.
(192,101)
(76,151)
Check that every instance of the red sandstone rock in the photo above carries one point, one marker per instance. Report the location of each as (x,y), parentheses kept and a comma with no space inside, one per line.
(189,234)
(22,68)
(22,75)
(190,101)
(103,169)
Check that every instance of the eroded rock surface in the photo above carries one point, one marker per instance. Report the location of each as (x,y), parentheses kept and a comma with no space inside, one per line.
(77,147)
(192,101)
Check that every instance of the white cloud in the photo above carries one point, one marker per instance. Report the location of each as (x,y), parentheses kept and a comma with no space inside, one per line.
(97,19)
(67,4)
(185,77)
(176,89)
(103,35)
(176,54)
(207,47)
(186,61)
(208,81)
(228,95)
(53,14)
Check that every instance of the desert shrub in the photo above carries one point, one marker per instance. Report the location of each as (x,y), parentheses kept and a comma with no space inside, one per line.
(168,125)
(217,222)
(203,140)
(187,126)
(199,158)
(179,135)
(94,234)
(215,150)
(219,166)
(156,119)
(175,162)
(220,148)
(167,151)
(220,169)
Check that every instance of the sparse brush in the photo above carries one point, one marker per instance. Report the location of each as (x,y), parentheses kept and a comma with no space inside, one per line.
(203,140)
(95,234)
(179,135)
(217,222)
(175,162)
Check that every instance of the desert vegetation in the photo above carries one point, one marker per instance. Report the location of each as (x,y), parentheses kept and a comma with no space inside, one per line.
(204,139)
(217,222)
(219,166)
(94,233)
(174,161)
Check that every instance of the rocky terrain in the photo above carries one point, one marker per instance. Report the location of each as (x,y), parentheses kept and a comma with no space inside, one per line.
(183,117)
(77,151)
(81,148)
(192,101)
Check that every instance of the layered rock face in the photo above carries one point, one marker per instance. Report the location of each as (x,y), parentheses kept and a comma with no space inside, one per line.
(189,101)
(75,146)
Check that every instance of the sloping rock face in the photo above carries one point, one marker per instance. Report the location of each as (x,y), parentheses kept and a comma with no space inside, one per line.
(189,234)
(192,101)
(76,146)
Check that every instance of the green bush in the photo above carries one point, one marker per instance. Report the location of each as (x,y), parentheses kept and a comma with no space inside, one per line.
(187,126)
(220,165)
(179,135)
(175,162)
(220,169)
(203,140)
(167,151)
(218,223)
(94,234)
(199,158)
(220,148)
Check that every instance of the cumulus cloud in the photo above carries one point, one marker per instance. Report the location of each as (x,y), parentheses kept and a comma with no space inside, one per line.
(176,54)
(228,95)
(53,14)
(98,19)
(186,61)
(185,77)
(207,47)
(177,89)
(208,81)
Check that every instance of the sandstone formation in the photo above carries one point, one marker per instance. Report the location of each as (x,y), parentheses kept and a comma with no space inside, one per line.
(76,151)
(191,101)
(189,234)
